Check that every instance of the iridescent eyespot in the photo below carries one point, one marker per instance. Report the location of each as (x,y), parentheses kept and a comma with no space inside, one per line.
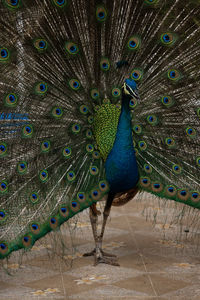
(53,222)
(3,149)
(27,241)
(103,186)
(137,129)
(43,175)
(57,112)
(95,194)
(167,101)
(152,119)
(191,132)
(60,3)
(35,228)
(3,248)
(76,128)
(174,75)
(75,206)
(41,88)
(94,94)
(170,142)
(105,64)
(195,196)
(134,42)
(13,3)
(176,169)
(34,198)
(27,131)
(45,146)
(71,48)
(142,145)
(136,74)
(183,195)
(133,103)
(151,2)
(101,13)
(11,100)
(198,161)
(168,38)
(145,182)
(148,168)
(4,54)
(71,176)
(94,170)
(157,187)
(90,119)
(22,167)
(84,109)
(64,211)
(74,84)
(116,92)
(81,197)
(67,152)
(89,133)
(40,44)
(170,190)
(96,154)
(89,148)
(3,216)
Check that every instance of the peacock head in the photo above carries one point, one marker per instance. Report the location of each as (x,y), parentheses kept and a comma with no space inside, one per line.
(129,88)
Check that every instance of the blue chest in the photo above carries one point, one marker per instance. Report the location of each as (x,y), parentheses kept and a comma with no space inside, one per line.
(121,165)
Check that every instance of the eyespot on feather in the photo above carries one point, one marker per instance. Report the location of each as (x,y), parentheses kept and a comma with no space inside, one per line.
(101,14)
(43,175)
(136,74)
(170,190)
(71,48)
(40,44)
(3,149)
(11,100)
(134,43)
(183,195)
(27,131)
(45,146)
(105,64)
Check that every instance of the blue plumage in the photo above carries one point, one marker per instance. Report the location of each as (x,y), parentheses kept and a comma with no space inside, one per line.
(121,166)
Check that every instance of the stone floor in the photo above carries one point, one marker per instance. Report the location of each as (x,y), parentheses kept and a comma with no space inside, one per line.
(156,262)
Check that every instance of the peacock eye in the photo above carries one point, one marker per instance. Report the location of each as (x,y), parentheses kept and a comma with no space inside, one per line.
(71,48)
(40,44)
(134,43)
(74,84)
(101,14)
(60,3)
(105,64)
(4,54)
(174,75)
(136,74)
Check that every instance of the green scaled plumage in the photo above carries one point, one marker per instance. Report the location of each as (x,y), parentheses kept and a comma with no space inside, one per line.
(62,65)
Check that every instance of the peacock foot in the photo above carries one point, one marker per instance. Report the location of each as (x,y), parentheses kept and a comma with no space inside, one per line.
(93,252)
(101,256)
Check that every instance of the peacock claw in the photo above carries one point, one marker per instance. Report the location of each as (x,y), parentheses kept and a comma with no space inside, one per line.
(101,259)
(93,252)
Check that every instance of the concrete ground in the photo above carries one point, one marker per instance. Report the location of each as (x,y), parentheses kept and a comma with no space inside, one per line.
(155,262)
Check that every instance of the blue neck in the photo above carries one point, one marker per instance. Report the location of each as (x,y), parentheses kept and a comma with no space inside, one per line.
(121,166)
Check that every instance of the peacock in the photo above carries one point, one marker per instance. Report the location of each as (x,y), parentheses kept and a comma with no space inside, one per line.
(99,100)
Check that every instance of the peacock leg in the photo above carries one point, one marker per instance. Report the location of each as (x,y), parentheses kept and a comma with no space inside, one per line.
(93,220)
(100,255)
